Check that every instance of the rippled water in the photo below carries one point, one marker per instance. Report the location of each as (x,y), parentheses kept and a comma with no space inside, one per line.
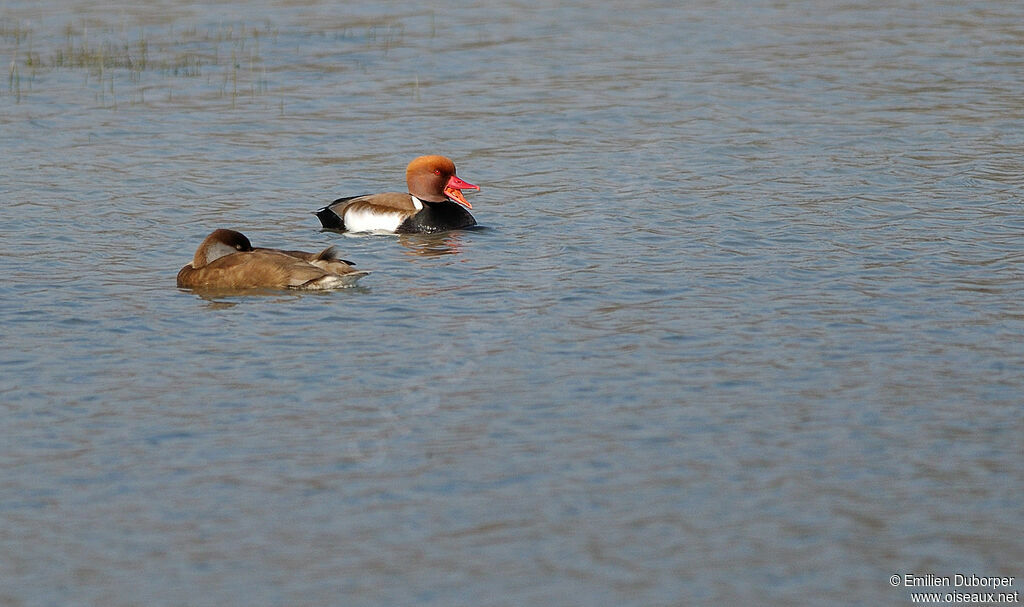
(743,323)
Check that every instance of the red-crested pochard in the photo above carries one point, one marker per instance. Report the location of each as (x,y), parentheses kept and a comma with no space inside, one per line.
(434,203)
(227,260)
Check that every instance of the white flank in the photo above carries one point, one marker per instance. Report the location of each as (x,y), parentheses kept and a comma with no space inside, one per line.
(335,281)
(365,220)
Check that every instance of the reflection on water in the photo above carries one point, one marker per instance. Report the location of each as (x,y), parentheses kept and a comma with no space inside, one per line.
(431,245)
(221,298)
(744,327)
(421,245)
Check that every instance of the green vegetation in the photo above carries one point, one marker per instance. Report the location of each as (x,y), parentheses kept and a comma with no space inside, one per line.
(229,54)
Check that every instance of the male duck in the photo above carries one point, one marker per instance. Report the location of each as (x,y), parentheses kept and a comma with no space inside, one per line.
(434,203)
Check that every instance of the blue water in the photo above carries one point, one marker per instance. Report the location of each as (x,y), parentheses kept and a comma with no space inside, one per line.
(742,324)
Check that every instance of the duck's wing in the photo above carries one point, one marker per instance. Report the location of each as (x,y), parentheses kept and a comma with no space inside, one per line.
(388,204)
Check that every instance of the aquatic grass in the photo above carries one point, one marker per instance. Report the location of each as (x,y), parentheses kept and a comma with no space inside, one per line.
(11,30)
(18,33)
(105,55)
(134,57)
(134,61)
(14,82)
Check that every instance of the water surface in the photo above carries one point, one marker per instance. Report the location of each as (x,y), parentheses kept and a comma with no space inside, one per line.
(742,324)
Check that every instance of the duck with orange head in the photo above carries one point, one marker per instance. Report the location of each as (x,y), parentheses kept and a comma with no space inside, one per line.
(434,203)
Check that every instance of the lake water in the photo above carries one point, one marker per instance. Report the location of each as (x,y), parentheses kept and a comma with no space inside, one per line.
(743,323)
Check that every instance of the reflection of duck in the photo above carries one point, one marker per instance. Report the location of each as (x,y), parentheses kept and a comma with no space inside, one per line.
(431,245)
(227,260)
(434,203)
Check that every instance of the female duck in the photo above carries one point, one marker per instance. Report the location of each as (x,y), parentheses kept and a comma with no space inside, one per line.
(434,203)
(227,260)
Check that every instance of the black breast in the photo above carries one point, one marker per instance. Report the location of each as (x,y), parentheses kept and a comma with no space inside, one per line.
(437,217)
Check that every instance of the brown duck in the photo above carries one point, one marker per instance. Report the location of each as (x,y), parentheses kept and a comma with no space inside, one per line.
(227,260)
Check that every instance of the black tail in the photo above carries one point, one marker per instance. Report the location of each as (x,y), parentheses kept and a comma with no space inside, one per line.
(330,220)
